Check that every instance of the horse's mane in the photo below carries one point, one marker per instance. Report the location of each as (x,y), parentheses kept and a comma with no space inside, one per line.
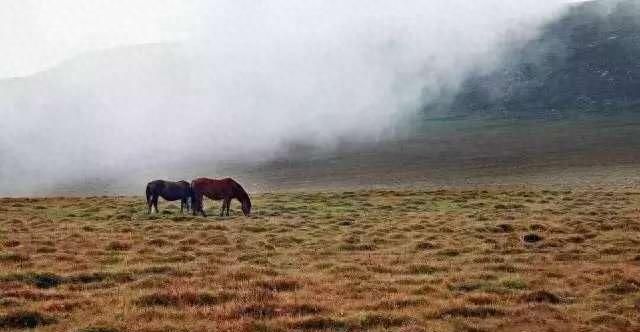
(239,191)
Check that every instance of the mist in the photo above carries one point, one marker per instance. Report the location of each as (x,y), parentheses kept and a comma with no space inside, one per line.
(240,83)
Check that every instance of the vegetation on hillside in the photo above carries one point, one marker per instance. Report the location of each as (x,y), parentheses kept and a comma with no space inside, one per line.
(586,60)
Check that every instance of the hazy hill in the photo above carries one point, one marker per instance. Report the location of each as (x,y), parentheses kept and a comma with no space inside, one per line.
(588,60)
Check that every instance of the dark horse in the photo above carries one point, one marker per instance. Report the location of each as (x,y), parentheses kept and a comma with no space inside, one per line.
(170,191)
(224,189)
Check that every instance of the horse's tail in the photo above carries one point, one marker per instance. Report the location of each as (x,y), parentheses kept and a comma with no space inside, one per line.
(148,194)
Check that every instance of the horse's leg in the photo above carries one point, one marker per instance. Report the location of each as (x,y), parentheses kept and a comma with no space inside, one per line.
(181,205)
(228,205)
(200,200)
(201,207)
(197,204)
(224,202)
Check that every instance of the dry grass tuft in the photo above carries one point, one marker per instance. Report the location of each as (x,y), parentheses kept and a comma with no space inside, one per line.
(40,280)
(118,246)
(158,243)
(541,297)
(319,323)
(99,329)
(279,284)
(382,319)
(11,243)
(182,299)
(622,287)
(24,320)
(471,312)
(425,245)
(93,277)
(423,269)
(11,257)
(532,238)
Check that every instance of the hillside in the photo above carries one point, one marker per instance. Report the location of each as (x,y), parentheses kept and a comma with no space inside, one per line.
(585,61)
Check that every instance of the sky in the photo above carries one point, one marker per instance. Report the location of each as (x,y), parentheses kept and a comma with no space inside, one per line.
(37,34)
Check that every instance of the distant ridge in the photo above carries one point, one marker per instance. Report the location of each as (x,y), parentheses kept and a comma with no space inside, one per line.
(588,60)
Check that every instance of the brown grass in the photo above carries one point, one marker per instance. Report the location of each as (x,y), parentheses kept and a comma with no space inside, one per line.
(447,260)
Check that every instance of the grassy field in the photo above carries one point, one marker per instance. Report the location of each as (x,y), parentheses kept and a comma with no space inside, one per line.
(348,261)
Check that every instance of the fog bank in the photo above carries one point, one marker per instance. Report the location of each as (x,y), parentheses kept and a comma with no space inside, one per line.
(243,81)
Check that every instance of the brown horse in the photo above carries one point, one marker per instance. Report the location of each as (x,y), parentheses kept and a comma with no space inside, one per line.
(170,191)
(224,189)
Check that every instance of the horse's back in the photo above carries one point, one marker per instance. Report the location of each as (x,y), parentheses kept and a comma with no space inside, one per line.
(213,186)
(156,183)
(212,182)
(169,190)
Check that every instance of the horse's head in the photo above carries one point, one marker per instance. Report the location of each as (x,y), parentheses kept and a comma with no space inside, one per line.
(246,206)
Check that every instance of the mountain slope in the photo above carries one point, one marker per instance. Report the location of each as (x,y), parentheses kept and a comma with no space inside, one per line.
(588,60)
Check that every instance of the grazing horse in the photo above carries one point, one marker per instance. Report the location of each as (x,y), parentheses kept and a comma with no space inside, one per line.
(170,191)
(224,189)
